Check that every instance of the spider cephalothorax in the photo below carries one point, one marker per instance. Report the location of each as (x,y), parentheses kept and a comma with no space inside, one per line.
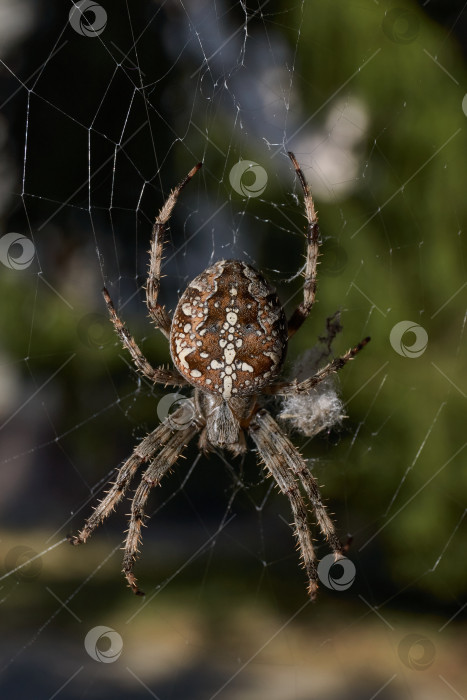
(228,341)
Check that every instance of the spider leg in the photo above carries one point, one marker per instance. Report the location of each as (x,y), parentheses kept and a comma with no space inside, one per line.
(151,477)
(156,311)
(299,467)
(270,446)
(312,236)
(142,453)
(308,384)
(160,375)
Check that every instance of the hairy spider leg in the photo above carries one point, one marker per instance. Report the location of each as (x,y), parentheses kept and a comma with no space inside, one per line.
(157,312)
(299,467)
(158,374)
(142,454)
(307,385)
(302,311)
(276,463)
(159,466)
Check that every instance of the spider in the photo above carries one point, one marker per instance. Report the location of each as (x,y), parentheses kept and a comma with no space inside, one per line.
(228,340)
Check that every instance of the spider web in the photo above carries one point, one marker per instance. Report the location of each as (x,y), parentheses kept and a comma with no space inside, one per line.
(104,110)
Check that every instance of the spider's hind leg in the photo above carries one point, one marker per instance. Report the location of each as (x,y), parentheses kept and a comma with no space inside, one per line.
(141,454)
(272,446)
(298,466)
(151,477)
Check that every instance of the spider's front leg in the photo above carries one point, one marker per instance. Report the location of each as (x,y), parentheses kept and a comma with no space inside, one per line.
(312,236)
(156,311)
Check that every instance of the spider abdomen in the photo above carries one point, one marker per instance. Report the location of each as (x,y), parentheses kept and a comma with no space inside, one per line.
(229,331)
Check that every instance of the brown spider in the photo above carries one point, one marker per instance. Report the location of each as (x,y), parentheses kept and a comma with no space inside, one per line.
(228,339)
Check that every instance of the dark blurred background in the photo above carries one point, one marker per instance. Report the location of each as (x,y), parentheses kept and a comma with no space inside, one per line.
(102,113)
